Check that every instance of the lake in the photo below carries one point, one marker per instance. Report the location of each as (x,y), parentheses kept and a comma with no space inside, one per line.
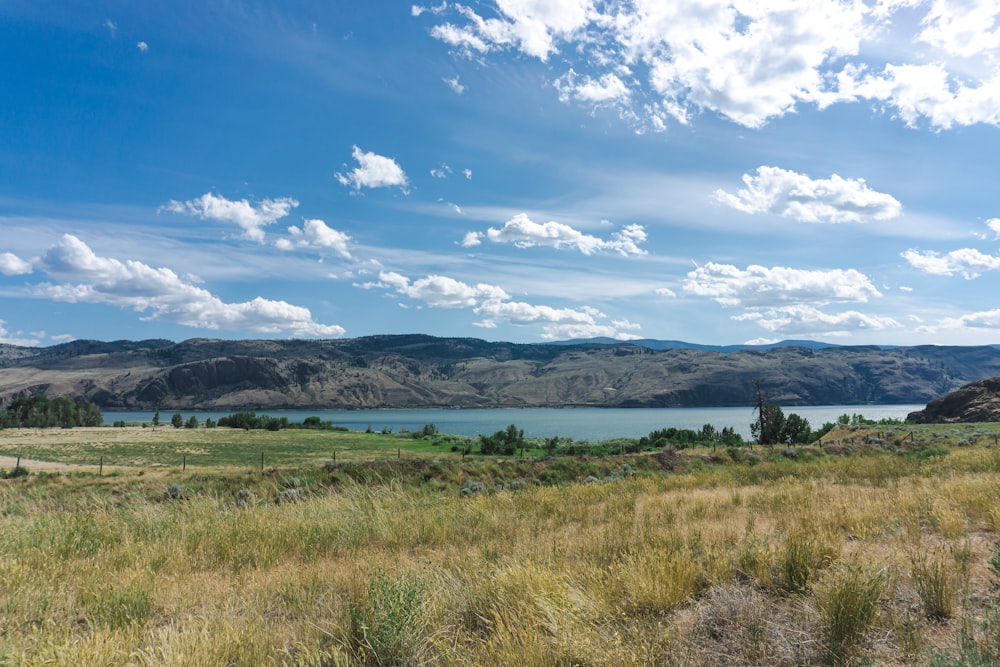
(577,423)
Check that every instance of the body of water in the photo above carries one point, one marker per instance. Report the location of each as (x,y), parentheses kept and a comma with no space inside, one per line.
(592,424)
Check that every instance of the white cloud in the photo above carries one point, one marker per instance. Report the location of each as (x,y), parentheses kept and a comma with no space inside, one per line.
(444,171)
(666,291)
(518,312)
(750,61)
(90,278)
(417,10)
(805,319)
(963,28)
(994,226)
(492,303)
(472,239)
(967,261)
(931,92)
(986,319)
(787,193)
(251,218)
(467,173)
(441,291)
(524,233)
(17,337)
(142,46)
(111,26)
(12,265)
(455,85)
(759,286)
(373,171)
(583,88)
(316,234)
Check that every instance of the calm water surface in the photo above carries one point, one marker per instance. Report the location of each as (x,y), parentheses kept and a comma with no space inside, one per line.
(577,423)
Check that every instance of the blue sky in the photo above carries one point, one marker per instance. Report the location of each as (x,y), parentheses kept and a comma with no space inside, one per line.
(524,170)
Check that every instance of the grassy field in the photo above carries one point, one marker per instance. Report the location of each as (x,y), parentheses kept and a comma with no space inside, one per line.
(878,548)
(166,446)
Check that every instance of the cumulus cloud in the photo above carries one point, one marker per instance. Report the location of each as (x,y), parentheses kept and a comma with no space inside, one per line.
(89,278)
(472,239)
(373,171)
(12,265)
(316,234)
(467,173)
(493,304)
(968,262)
(441,291)
(748,62)
(111,26)
(524,233)
(455,85)
(994,226)
(251,218)
(986,319)
(142,46)
(787,193)
(759,286)
(806,319)
(666,291)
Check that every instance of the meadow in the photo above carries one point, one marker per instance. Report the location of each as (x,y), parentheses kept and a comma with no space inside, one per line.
(875,547)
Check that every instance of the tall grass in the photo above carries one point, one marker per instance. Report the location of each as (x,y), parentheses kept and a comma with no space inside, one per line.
(778,563)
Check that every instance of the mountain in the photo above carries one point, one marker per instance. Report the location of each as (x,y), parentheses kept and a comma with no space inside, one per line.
(411,371)
(975,402)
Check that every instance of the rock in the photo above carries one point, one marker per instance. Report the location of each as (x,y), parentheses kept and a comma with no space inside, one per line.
(975,402)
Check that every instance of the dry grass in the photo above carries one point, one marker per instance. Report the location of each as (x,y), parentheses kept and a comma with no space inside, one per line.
(831,562)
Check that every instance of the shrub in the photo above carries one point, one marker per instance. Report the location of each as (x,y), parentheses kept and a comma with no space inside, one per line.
(175,492)
(16,471)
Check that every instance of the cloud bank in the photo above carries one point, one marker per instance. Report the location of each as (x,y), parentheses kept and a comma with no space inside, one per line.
(86,277)
(748,62)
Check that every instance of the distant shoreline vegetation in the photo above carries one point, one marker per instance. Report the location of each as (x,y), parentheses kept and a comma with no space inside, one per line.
(42,412)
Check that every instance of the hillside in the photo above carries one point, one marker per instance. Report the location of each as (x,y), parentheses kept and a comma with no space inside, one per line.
(424,371)
(975,402)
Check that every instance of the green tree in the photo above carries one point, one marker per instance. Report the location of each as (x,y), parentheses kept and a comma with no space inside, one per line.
(770,425)
(192,422)
(156,418)
(177,420)
(795,430)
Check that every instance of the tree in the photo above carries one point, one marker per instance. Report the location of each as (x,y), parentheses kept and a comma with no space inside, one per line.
(796,430)
(770,425)
(156,418)
(177,420)
(502,442)
(192,422)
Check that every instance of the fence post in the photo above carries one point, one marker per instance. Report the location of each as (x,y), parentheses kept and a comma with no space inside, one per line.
(100,470)
(334,457)
(399,453)
(184,464)
(262,460)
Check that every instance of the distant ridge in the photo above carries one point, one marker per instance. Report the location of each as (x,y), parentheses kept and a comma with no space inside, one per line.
(654,344)
(420,371)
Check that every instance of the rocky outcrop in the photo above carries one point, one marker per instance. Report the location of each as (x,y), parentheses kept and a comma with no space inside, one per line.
(975,402)
(425,371)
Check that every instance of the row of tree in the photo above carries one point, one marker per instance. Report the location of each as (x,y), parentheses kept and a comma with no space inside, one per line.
(42,412)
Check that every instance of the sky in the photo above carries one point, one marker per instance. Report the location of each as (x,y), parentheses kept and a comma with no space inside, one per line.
(521,170)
